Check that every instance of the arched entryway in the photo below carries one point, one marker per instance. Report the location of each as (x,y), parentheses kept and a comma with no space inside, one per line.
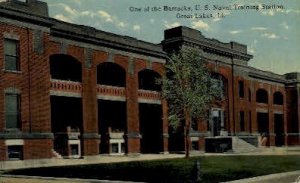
(66,108)
(112,112)
(150,114)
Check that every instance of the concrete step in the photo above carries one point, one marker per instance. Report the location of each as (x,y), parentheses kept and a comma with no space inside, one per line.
(56,155)
(241,146)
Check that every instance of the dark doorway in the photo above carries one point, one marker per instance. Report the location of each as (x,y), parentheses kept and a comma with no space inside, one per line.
(263,123)
(217,122)
(279,129)
(66,122)
(151,128)
(111,119)
(66,111)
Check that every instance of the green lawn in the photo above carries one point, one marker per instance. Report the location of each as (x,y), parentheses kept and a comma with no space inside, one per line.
(213,169)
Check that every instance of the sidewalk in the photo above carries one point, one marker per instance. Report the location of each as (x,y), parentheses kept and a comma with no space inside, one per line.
(287,177)
(33,179)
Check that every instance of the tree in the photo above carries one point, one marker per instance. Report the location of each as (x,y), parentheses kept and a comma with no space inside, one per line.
(189,89)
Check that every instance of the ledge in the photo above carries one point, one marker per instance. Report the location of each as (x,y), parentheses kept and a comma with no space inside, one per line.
(23,135)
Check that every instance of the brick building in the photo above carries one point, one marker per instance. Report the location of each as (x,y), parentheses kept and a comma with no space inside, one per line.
(71,90)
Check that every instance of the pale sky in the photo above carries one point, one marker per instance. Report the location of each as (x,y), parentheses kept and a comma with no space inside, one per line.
(272,36)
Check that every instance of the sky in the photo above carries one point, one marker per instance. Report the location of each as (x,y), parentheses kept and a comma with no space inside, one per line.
(272,35)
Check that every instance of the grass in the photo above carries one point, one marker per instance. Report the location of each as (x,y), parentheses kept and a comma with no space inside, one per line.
(213,169)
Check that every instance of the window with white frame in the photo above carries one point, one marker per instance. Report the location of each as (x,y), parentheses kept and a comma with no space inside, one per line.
(117,146)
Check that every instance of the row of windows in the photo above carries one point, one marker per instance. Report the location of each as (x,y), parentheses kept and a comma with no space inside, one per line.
(11,54)
(261,95)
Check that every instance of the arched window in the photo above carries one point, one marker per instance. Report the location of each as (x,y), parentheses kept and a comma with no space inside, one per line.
(65,67)
(262,96)
(148,80)
(278,98)
(111,74)
(222,82)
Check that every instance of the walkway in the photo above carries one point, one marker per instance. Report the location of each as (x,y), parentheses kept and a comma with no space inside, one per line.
(288,177)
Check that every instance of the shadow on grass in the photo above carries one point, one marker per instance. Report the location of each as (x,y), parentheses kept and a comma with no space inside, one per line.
(213,169)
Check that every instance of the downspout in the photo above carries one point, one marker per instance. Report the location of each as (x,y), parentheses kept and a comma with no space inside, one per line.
(233,96)
(29,81)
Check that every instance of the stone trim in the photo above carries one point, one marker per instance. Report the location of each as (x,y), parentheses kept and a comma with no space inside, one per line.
(65,94)
(199,134)
(23,135)
(38,42)
(11,35)
(133,135)
(12,90)
(149,101)
(88,52)
(15,142)
(278,112)
(26,18)
(293,134)
(111,98)
(63,48)
(149,64)
(131,66)
(262,110)
(111,57)
(91,136)
(166,135)
(108,49)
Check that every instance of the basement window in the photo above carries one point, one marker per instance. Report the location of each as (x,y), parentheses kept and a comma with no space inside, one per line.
(195,146)
(15,152)
(117,147)
(74,150)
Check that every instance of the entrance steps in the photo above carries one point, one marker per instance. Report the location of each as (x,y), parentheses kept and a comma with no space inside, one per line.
(56,155)
(241,146)
(231,144)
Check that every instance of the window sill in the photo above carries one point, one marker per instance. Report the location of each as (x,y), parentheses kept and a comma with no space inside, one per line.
(12,71)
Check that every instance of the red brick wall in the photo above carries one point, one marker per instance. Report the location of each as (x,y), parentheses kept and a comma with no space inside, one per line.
(3,151)
(37,149)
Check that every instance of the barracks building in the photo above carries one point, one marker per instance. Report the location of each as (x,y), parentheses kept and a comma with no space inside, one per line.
(71,91)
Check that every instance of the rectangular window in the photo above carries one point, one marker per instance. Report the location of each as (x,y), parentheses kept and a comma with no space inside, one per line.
(11,55)
(241,89)
(114,148)
(12,110)
(74,149)
(242,121)
(195,145)
(15,152)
